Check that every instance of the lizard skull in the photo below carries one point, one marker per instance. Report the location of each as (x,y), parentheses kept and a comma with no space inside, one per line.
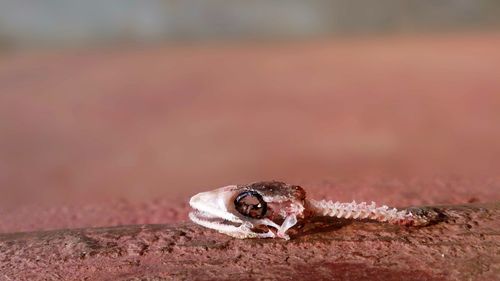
(250,211)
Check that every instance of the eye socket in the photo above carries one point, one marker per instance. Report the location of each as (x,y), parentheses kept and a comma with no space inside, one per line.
(251,204)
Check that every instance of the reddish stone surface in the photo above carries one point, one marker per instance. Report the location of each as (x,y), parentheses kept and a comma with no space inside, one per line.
(463,246)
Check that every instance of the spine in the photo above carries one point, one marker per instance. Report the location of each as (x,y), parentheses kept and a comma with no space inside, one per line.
(362,210)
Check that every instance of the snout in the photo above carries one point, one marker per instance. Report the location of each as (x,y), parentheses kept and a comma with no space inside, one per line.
(215,203)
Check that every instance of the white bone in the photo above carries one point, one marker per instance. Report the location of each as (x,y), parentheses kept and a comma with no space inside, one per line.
(289,222)
(359,211)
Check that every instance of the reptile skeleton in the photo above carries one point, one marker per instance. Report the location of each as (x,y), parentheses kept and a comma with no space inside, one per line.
(255,210)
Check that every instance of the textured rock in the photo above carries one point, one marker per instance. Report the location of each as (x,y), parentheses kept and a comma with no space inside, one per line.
(464,245)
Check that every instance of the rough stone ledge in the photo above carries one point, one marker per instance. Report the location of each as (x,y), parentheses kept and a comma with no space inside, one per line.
(464,245)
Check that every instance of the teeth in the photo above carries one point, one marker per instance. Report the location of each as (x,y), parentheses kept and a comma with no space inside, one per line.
(202,214)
